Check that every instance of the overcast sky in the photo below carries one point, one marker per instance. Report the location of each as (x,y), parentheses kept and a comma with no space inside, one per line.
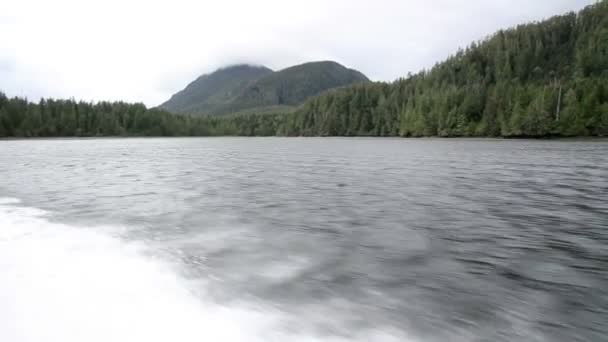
(143,51)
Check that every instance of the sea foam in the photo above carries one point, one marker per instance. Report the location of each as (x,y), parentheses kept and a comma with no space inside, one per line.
(70,283)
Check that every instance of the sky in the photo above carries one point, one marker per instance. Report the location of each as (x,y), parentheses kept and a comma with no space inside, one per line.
(144,51)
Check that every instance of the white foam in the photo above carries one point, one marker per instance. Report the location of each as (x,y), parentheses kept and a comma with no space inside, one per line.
(9,200)
(66,283)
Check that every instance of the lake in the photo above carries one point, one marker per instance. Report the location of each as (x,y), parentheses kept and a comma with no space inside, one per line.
(303,239)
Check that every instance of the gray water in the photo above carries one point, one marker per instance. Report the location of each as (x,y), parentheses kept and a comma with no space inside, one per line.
(285,239)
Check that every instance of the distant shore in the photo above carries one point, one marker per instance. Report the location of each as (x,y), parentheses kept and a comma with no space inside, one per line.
(554,138)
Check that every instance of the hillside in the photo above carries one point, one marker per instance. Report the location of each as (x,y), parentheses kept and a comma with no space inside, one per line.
(247,88)
(540,79)
(293,85)
(212,92)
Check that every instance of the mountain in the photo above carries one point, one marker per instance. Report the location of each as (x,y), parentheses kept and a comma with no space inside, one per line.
(215,91)
(249,88)
(293,85)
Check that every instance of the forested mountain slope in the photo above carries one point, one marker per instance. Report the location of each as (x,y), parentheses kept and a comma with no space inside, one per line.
(245,87)
(538,79)
(294,85)
(213,92)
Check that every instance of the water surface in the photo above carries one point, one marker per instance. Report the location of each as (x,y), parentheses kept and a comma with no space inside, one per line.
(300,239)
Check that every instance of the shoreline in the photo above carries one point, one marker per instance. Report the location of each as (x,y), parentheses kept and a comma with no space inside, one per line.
(554,138)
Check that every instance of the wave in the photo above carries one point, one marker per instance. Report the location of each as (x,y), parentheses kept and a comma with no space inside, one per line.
(61,282)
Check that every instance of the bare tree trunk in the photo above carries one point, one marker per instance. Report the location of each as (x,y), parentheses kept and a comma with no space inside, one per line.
(559,102)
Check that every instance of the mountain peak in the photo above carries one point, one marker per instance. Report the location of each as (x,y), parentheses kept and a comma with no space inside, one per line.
(242,66)
(249,86)
(209,92)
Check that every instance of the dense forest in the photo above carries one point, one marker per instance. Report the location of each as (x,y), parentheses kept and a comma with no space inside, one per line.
(535,80)
(538,79)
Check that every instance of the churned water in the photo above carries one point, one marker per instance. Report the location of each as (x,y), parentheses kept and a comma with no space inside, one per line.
(303,239)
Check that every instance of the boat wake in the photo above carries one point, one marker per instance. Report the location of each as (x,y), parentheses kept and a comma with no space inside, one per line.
(66,283)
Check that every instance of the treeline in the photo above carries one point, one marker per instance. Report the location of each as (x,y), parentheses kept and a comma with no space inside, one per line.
(50,118)
(537,80)
(70,118)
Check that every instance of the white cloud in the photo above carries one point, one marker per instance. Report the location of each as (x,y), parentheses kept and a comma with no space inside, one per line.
(147,50)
